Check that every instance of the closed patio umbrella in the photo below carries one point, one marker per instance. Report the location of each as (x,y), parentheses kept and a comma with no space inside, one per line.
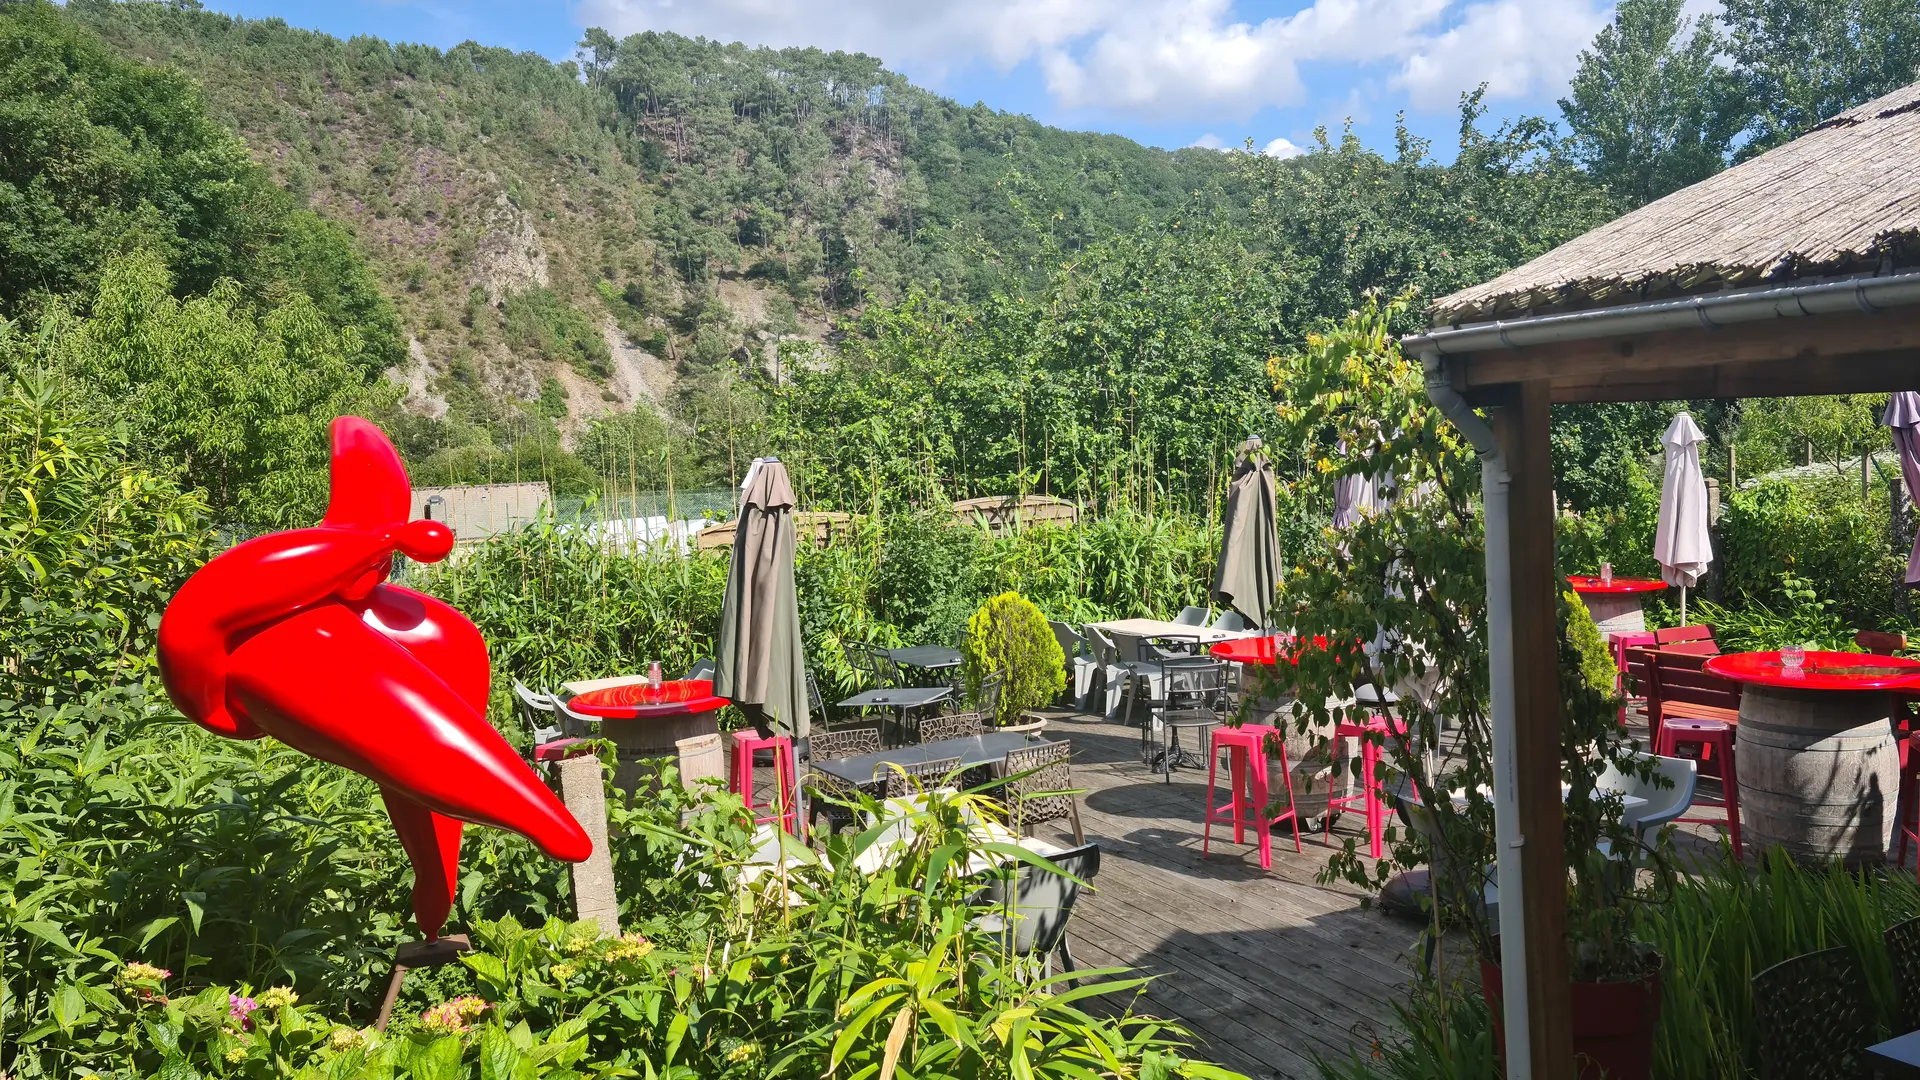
(1680,543)
(1248,573)
(759,664)
(1903,416)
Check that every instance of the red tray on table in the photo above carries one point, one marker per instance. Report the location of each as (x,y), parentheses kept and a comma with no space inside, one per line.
(1584,583)
(1820,671)
(634,701)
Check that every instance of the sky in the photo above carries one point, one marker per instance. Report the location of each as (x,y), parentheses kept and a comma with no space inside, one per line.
(1169,73)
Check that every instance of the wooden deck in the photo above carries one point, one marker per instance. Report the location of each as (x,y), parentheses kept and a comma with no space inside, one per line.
(1270,969)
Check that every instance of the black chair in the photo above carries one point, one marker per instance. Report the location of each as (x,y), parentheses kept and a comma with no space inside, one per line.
(701,669)
(1812,1018)
(1903,949)
(1033,920)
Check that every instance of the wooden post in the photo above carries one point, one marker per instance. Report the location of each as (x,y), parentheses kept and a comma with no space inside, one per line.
(1522,427)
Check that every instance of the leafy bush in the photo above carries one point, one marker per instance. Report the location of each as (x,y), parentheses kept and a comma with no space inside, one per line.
(1799,616)
(1822,532)
(542,323)
(732,969)
(1009,634)
(1716,929)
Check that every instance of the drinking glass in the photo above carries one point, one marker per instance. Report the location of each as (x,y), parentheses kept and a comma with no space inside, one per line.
(1793,656)
(1606,573)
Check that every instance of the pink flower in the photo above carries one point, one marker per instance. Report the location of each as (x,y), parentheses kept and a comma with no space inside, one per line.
(240,1009)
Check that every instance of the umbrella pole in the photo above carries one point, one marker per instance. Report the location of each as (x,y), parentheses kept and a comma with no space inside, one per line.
(1683,605)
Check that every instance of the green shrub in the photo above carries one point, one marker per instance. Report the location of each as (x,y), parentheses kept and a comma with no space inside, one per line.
(1009,634)
(1598,668)
(1822,532)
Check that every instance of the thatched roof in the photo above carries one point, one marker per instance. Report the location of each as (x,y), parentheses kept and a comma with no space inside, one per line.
(1842,199)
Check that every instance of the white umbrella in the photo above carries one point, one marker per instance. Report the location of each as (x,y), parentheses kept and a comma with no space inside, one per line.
(1681,545)
(1903,416)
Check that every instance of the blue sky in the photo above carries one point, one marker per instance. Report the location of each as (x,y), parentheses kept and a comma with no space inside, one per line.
(1166,72)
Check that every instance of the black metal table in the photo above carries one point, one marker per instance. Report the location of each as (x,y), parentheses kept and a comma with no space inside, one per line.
(926,657)
(1898,1058)
(904,699)
(972,750)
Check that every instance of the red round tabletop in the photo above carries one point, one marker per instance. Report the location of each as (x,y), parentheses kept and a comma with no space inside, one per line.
(1266,649)
(635,701)
(1589,584)
(1821,671)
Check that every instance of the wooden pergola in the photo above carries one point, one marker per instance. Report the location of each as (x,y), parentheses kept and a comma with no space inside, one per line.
(1795,273)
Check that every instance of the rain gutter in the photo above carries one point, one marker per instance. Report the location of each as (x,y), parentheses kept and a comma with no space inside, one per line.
(1867,294)
(1495,483)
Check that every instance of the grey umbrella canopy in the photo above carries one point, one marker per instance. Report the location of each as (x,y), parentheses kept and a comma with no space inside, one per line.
(1903,416)
(1248,574)
(760,665)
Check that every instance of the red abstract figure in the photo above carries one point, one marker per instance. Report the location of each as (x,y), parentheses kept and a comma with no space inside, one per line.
(296,635)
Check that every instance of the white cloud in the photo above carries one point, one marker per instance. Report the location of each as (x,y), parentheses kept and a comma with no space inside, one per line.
(1519,48)
(1209,141)
(1164,60)
(1282,148)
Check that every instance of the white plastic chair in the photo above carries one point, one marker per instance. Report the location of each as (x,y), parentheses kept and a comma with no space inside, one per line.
(1664,803)
(1192,616)
(1115,673)
(539,712)
(1075,648)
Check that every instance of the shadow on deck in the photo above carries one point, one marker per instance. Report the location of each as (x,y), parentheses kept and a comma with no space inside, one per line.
(1268,968)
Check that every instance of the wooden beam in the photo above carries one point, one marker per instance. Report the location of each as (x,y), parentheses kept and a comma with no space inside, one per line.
(1522,427)
(1812,341)
(1861,373)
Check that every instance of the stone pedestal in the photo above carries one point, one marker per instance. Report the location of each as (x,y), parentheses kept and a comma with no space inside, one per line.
(584,792)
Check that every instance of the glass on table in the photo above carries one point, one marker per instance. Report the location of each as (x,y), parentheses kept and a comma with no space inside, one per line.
(1606,573)
(1793,657)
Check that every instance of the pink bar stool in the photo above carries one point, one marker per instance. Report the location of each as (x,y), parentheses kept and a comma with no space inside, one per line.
(1623,641)
(1246,749)
(1715,739)
(745,744)
(1369,778)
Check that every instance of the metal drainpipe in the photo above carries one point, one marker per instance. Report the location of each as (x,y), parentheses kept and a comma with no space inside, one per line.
(1494,485)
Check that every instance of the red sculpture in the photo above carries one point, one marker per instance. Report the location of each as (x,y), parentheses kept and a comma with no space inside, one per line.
(296,635)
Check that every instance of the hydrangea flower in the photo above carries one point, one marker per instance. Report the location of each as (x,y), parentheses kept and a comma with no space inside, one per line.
(346,1038)
(236,1055)
(240,1010)
(563,972)
(454,1017)
(629,947)
(278,996)
(137,972)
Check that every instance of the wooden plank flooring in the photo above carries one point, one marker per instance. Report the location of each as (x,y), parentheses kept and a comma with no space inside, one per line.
(1270,969)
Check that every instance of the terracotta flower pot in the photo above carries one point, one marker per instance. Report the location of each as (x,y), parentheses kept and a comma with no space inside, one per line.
(1613,1023)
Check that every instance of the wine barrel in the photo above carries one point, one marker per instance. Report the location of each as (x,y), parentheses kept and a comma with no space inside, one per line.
(692,740)
(1819,773)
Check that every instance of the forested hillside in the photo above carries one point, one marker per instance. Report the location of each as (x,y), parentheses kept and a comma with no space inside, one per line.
(634,233)
(634,271)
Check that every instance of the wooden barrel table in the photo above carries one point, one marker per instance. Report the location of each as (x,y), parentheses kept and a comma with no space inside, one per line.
(678,719)
(1818,760)
(1615,604)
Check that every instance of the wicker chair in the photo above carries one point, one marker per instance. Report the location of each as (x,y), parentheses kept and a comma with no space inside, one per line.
(907,779)
(1903,949)
(954,726)
(1040,788)
(828,796)
(1812,1018)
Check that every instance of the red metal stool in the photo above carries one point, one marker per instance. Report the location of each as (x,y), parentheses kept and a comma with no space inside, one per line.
(1369,781)
(1907,827)
(1246,749)
(786,806)
(1715,740)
